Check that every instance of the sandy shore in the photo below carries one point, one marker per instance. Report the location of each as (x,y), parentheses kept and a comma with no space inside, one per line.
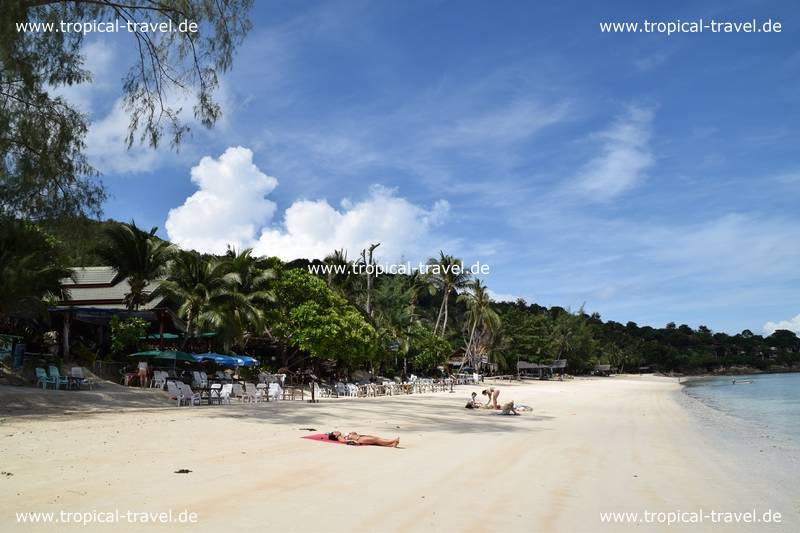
(590,446)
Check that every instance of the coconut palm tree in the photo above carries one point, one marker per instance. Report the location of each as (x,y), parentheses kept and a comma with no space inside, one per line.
(339,271)
(395,314)
(137,255)
(479,315)
(194,281)
(238,312)
(447,275)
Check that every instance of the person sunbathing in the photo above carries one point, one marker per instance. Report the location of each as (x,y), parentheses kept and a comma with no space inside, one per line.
(355,439)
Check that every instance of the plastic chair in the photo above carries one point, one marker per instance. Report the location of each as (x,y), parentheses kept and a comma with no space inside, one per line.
(43,379)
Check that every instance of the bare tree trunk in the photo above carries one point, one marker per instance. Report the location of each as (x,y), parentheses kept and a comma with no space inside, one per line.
(368,261)
(469,345)
(444,323)
(439,317)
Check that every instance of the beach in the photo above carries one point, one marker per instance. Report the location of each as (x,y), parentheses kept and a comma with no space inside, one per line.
(590,446)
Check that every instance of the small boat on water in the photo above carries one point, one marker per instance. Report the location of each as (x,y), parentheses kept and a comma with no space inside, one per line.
(741,381)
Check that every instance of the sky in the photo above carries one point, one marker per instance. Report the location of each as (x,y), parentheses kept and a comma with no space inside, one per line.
(647,177)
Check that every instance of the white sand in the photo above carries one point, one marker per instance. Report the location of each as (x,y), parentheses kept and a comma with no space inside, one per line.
(590,446)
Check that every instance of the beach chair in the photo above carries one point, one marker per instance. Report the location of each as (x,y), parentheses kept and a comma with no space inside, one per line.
(57,378)
(43,379)
(174,392)
(238,392)
(275,392)
(225,393)
(159,379)
(193,398)
(214,393)
(198,381)
(250,393)
(77,374)
(261,392)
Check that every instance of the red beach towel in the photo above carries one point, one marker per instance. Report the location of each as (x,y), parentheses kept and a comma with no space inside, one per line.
(322,437)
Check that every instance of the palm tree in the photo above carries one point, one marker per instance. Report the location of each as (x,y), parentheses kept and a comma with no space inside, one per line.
(339,268)
(194,281)
(395,314)
(479,314)
(238,311)
(138,256)
(447,275)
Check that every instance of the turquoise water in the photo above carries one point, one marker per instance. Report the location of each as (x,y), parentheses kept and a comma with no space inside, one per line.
(770,401)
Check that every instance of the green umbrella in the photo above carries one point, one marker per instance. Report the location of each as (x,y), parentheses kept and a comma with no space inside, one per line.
(171,355)
(157,336)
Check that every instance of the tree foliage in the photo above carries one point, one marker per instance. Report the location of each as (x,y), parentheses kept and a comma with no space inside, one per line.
(43,168)
(31,270)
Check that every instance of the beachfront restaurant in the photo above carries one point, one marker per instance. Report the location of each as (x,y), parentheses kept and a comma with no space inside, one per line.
(96,295)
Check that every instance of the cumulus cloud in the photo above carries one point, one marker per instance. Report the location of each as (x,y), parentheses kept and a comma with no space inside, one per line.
(793,324)
(624,158)
(231,207)
(312,229)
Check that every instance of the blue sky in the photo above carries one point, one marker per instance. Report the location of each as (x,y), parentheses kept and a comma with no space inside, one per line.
(654,178)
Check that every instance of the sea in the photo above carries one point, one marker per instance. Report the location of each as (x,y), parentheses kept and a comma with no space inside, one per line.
(768,403)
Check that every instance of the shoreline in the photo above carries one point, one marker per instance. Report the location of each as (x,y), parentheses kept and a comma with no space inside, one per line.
(590,446)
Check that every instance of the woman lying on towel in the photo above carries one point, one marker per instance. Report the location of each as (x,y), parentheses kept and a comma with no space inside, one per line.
(511,409)
(355,439)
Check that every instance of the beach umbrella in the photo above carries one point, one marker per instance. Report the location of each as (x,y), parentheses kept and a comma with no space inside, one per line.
(246,360)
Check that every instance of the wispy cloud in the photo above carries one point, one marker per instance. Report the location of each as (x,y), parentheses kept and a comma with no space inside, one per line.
(625,155)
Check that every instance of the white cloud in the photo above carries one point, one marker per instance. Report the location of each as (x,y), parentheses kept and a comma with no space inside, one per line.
(312,229)
(106,147)
(229,207)
(625,157)
(98,58)
(793,324)
(502,296)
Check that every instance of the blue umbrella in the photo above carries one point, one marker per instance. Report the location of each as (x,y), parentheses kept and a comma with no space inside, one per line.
(227,360)
(246,360)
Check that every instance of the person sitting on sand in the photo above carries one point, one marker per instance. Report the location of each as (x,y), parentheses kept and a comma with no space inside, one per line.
(492,393)
(511,409)
(354,438)
(472,402)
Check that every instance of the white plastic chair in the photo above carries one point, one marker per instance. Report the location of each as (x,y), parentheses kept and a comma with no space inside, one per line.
(250,394)
(77,372)
(261,392)
(275,392)
(174,392)
(159,379)
(225,393)
(193,398)
(237,391)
